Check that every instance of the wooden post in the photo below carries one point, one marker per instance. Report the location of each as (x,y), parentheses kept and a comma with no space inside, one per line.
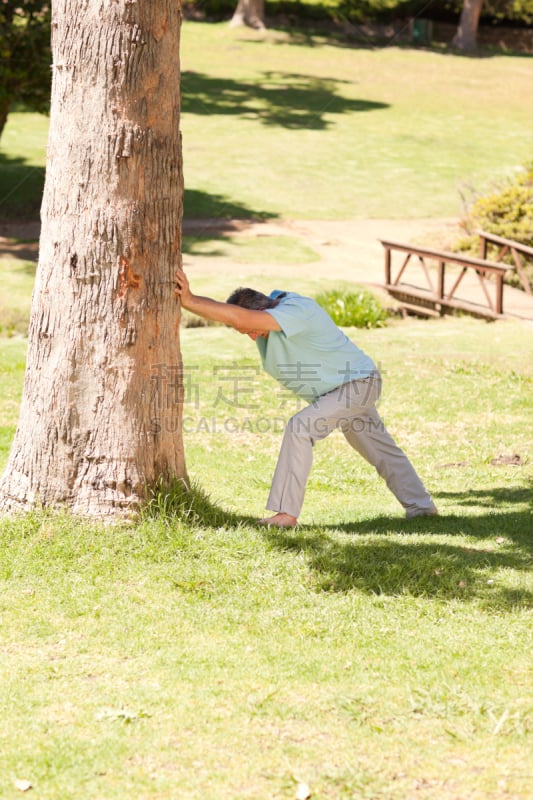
(440,280)
(499,293)
(388,266)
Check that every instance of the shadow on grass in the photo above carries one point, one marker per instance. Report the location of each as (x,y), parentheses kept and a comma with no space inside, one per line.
(216,210)
(205,213)
(417,566)
(22,188)
(288,100)
(316,35)
(414,566)
(178,500)
(27,253)
(379,562)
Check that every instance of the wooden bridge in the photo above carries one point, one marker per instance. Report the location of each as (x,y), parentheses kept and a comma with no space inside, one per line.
(431,282)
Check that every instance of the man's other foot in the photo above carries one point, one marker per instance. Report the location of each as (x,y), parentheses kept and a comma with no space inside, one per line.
(428,511)
(280,520)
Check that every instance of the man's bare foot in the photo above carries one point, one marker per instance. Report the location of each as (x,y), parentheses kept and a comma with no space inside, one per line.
(280,520)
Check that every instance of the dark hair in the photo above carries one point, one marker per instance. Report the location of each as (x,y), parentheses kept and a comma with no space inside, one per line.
(252,299)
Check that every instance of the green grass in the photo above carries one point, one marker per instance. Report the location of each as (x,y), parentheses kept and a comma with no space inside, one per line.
(300,126)
(22,161)
(350,132)
(17,276)
(192,654)
(12,366)
(195,655)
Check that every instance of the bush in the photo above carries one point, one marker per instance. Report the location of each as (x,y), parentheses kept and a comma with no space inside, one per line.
(359,309)
(358,11)
(507,212)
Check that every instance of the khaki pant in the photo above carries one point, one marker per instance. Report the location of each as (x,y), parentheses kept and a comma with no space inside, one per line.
(351,408)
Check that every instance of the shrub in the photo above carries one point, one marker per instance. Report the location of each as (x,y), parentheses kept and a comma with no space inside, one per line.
(507,212)
(358,309)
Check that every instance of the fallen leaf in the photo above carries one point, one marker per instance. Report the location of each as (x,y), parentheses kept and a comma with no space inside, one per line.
(303,792)
(22,785)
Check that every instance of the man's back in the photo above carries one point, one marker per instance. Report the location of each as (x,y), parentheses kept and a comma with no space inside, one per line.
(310,356)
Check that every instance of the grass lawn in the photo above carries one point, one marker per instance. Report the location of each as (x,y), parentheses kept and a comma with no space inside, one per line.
(22,162)
(281,124)
(199,656)
(352,131)
(191,654)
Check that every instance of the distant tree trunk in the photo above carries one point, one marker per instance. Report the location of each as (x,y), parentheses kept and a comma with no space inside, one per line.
(466,36)
(101,414)
(4,110)
(251,13)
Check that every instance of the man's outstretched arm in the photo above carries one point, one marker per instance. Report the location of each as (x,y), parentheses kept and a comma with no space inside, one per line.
(242,319)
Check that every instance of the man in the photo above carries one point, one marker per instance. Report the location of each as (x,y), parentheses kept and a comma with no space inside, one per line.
(304,350)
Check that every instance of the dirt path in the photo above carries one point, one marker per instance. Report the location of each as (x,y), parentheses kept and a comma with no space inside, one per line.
(350,250)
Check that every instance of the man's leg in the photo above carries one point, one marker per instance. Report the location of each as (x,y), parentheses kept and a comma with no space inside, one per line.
(333,410)
(367,434)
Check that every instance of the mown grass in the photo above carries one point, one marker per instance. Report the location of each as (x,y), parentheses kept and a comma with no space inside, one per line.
(251,250)
(22,162)
(302,126)
(310,128)
(17,277)
(193,654)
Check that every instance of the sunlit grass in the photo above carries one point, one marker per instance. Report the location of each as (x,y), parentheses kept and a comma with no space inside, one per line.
(252,250)
(194,654)
(284,125)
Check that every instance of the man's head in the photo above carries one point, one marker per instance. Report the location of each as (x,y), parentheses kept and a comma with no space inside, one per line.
(252,299)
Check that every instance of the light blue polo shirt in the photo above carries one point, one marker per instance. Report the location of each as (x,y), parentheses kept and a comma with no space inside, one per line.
(310,355)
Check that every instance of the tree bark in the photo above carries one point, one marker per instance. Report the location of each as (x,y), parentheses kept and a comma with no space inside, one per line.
(466,37)
(101,410)
(251,13)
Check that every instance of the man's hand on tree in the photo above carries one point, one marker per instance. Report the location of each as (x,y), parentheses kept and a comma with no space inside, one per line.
(182,290)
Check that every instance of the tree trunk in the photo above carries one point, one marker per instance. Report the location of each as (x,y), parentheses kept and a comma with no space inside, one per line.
(4,111)
(101,412)
(466,37)
(251,13)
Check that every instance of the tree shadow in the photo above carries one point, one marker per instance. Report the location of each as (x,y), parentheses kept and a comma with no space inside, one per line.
(349,37)
(28,253)
(216,210)
(179,499)
(419,567)
(288,100)
(21,188)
